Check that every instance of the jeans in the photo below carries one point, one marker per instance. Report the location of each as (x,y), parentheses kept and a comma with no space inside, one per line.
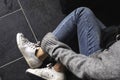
(81,30)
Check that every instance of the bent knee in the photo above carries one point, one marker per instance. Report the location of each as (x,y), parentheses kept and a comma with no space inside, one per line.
(84,11)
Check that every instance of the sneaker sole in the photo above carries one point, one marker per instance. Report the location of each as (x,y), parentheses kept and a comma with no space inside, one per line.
(29,72)
(34,77)
(32,73)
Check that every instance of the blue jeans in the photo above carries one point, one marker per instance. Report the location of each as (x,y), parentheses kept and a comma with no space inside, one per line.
(81,30)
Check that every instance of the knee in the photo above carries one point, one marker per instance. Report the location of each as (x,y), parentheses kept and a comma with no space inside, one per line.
(83,11)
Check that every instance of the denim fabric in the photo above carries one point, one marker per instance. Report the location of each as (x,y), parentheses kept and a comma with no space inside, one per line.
(80,27)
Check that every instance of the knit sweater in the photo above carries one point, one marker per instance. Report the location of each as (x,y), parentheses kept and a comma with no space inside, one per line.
(101,65)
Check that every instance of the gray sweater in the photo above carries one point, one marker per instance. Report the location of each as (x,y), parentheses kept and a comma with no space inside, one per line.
(101,65)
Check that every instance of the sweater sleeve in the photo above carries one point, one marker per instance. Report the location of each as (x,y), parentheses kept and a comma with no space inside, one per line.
(78,64)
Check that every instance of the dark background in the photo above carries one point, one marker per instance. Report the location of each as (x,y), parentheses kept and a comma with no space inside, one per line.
(43,16)
(108,11)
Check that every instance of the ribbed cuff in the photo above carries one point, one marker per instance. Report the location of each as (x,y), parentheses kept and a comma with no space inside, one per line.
(48,40)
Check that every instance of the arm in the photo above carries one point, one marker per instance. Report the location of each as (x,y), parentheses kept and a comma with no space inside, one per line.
(80,65)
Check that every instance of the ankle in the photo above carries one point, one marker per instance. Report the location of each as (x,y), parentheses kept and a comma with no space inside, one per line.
(40,54)
(58,67)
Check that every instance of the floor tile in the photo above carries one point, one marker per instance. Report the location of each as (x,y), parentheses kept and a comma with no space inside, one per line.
(8,6)
(15,71)
(9,27)
(44,15)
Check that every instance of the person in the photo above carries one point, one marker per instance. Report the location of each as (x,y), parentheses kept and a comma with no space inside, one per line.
(80,27)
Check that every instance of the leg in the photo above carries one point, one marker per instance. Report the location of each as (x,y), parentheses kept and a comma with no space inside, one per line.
(81,24)
(89,32)
(41,55)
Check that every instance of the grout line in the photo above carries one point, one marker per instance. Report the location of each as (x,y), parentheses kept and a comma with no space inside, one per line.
(10,13)
(27,21)
(11,62)
(29,27)
(19,57)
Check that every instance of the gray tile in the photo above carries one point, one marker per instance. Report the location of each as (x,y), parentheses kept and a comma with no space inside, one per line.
(9,27)
(15,71)
(44,15)
(8,6)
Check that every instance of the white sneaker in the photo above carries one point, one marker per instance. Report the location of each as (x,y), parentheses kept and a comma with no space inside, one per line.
(47,73)
(28,50)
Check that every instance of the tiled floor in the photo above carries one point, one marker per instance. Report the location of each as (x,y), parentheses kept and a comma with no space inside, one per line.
(47,8)
(20,16)
(8,6)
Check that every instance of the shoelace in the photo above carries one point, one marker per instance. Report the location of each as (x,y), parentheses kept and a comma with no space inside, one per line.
(30,44)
